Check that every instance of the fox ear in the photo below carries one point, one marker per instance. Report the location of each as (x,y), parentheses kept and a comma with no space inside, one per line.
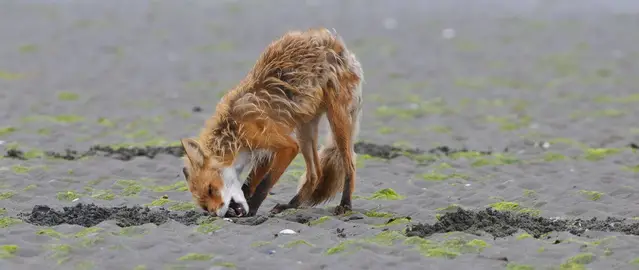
(193,152)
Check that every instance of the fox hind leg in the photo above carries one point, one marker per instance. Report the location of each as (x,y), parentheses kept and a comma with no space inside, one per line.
(307,136)
(342,128)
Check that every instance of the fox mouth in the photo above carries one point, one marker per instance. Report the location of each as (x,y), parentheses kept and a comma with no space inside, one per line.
(237,207)
(235,210)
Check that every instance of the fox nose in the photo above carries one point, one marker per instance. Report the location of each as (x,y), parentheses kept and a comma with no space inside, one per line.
(237,208)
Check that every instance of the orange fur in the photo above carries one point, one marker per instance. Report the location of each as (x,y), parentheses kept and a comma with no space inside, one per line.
(296,80)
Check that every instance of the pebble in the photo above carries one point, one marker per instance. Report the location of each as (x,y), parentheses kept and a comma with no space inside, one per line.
(287,231)
(271,252)
(228,219)
(448,33)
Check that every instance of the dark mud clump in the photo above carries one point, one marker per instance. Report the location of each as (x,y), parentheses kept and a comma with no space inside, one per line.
(503,224)
(88,215)
(390,152)
(121,153)
(128,153)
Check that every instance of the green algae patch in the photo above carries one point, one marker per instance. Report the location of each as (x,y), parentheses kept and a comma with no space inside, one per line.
(596,154)
(319,221)
(341,247)
(129,187)
(634,169)
(160,202)
(436,176)
(552,156)
(67,96)
(6,222)
(524,236)
(19,169)
(60,252)
(632,98)
(505,206)
(106,122)
(635,261)
(449,249)
(295,243)
(10,76)
(514,266)
(225,264)
(30,187)
(386,194)
(530,193)
(87,231)
(496,159)
(62,118)
(131,231)
(592,195)
(196,257)
(68,195)
(83,234)
(385,238)
(50,233)
(84,265)
(578,261)
(7,130)
(208,225)
(177,186)
(260,244)
(8,251)
(513,207)
(377,214)
(7,195)
(183,206)
(33,154)
(105,194)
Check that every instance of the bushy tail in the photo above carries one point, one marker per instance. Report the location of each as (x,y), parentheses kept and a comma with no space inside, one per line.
(331,163)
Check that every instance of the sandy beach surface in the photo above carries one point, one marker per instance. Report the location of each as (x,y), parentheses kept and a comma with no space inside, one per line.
(495,135)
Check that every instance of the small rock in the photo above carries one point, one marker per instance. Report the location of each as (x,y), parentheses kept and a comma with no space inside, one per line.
(75,200)
(228,219)
(468,185)
(271,252)
(287,231)
(197,109)
(448,33)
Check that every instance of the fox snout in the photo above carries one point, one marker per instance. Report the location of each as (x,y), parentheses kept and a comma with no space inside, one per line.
(233,209)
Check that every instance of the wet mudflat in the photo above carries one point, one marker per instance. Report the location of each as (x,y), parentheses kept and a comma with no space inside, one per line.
(496,135)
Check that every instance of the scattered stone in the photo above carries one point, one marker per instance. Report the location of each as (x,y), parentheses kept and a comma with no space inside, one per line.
(287,232)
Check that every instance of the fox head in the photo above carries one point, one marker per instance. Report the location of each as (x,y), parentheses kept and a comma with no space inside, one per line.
(211,184)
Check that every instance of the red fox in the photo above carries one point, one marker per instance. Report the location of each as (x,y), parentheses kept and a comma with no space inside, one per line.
(296,80)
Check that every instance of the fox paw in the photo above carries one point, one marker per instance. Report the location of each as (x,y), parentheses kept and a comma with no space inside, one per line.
(342,209)
(278,208)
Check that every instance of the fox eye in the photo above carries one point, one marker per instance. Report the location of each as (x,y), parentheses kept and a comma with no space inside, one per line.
(185,172)
(210,191)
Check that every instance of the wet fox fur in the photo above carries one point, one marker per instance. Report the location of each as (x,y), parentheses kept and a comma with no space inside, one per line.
(296,80)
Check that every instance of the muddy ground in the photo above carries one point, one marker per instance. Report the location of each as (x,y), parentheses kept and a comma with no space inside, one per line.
(496,135)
